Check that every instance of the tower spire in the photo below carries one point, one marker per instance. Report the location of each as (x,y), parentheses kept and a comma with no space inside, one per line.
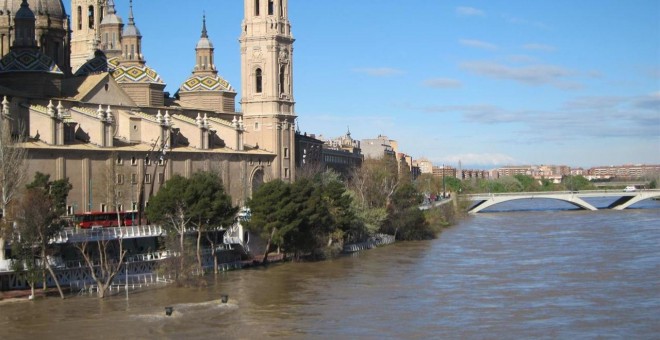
(204,52)
(204,33)
(131,19)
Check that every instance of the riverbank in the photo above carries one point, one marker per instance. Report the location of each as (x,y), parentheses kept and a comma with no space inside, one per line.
(24,295)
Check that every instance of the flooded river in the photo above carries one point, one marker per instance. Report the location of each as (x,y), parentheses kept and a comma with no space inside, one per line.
(517,274)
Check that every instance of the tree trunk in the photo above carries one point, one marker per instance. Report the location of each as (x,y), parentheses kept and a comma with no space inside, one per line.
(57,282)
(267,250)
(52,273)
(181,254)
(199,251)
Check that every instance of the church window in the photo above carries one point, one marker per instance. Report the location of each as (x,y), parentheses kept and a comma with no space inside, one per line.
(286,152)
(79,18)
(281,9)
(205,62)
(132,52)
(256,7)
(271,7)
(256,126)
(90,15)
(259,81)
(282,79)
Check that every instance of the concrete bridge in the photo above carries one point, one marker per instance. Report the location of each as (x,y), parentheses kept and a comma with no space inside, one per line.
(625,199)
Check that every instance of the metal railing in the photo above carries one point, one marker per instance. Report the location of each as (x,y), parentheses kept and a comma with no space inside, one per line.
(95,234)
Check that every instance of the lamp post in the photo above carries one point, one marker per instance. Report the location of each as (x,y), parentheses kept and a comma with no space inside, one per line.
(444,191)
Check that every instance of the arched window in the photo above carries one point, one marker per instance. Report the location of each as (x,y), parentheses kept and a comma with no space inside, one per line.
(258,81)
(271,7)
(281,9)
(282,88)
(79,18)
(90,15)
(256,7)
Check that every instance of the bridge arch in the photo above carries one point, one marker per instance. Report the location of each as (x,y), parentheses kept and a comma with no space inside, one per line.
(624,198)
(487,202)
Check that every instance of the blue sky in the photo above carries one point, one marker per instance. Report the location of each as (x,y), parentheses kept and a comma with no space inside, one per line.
(487,83)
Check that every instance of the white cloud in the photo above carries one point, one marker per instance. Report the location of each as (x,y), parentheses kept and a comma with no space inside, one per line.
(469,11)
(539,47)
(531,75)
(379,71)
(648,102)
(443,83)
(520,21)
(478,44)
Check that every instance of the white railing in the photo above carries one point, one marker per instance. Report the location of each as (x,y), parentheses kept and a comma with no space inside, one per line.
(81,235)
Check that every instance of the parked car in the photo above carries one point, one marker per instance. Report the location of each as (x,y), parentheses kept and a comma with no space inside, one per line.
(630,188)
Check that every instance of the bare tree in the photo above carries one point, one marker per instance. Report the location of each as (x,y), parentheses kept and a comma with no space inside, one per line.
(12,170)
(114,178)
(103,266)
(38,222)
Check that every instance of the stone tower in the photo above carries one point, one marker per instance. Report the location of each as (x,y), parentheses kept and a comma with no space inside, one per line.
(86,16)
(110,29)
(267,82)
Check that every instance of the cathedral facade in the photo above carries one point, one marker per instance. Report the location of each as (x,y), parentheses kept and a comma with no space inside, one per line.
(78,89)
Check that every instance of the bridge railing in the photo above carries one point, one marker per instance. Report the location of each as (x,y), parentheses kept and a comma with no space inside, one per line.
(564,192)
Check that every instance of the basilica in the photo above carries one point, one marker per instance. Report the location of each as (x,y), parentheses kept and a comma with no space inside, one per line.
(79,91)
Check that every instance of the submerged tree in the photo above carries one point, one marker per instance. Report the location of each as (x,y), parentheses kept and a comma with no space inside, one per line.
(268,214)
(200,203)
(103,263)
(209,208)
(38,221)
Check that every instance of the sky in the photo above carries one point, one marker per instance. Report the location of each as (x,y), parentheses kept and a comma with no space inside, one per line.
(485,83)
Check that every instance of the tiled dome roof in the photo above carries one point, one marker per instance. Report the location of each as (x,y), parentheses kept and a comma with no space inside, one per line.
(205,83)
(28,61)
(133,73)
(98,64)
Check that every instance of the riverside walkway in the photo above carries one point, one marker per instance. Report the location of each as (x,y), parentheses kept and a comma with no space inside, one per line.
(624,198)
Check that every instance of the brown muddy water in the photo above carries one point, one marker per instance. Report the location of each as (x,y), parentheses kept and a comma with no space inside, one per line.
(526,273)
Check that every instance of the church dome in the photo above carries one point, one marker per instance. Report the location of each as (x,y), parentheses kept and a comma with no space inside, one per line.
(206,83)
(39,7)
(204,43)
(133,73)
(28,61)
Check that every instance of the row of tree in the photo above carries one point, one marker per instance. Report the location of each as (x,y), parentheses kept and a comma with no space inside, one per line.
(516,183)
(320,212)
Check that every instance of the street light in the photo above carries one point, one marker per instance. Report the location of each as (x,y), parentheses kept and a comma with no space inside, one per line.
(444,191)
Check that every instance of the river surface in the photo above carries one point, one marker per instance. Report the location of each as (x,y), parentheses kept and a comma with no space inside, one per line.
(525,273)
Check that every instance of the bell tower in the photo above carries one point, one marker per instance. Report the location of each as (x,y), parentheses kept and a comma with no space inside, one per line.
(86,16)
(267,82)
